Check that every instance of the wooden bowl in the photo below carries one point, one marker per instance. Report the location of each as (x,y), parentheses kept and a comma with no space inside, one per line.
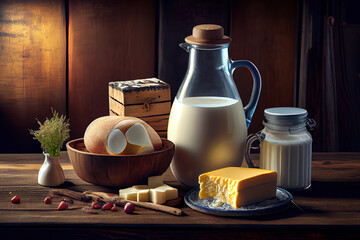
(116,170)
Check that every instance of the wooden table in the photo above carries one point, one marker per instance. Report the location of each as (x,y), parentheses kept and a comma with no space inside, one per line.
(330,208)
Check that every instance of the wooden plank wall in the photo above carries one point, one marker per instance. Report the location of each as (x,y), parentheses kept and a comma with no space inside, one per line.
(264,32)
(108,41)
(176,20)
(32,69)
(329,72)
(46,63)
(348,94)
(121,40)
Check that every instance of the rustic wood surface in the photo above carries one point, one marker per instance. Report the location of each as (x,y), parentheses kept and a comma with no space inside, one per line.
(108,41)
(32,69)
(143,90)
(62,54)
(151,104)
(110,170)
(264,32)
(329,85)
(330,208)
(158,123)
(143,110)
(176,21)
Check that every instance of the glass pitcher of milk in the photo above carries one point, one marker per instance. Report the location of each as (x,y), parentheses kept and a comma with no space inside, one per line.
(208,122)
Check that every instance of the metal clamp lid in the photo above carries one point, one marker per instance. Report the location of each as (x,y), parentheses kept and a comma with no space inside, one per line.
(281,118)
(310,124)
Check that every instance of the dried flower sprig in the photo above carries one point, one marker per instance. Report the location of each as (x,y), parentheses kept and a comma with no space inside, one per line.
(52,133)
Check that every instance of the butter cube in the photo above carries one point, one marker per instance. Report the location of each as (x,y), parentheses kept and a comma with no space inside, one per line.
(143,195)
(128,193)
(171,193)
(140,187)
(161,194)
(156,192)
(238,186)
(138,193)
(157,196)
(155,181)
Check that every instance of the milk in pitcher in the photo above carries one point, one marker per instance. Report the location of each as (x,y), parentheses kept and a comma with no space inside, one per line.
(208,122)
(209,133)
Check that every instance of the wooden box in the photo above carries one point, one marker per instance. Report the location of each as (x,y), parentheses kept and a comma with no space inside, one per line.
(148,99)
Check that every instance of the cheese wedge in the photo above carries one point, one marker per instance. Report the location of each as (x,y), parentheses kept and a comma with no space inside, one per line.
(238,186)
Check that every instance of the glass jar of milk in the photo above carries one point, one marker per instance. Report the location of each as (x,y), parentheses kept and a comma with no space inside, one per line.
(285,146)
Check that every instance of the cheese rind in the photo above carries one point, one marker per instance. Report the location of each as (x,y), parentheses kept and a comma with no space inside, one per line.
(238,186)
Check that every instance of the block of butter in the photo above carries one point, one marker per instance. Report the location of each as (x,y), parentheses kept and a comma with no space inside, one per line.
(238,186)
(161,194)
(156,191)
(138,193)
(155,181)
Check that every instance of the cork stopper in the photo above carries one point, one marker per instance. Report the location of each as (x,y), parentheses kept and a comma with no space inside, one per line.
(208,34)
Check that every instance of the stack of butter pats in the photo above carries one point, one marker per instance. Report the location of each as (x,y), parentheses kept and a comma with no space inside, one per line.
(238,186)
(156,191)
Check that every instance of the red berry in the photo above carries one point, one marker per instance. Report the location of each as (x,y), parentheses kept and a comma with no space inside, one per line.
(48,200)
(129,208)
(113,209)
(96,205)
(15,199)
(107,206)
(63,206)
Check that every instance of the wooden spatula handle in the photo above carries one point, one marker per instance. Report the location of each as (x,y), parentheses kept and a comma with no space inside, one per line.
(158,207)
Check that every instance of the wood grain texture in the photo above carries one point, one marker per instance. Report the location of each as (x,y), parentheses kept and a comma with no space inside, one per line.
(143,110)
(317,80)
(140,91)
(115,170)
(32,69)
(264,32)
(158,123)
(179,233)
(347,51)
(327,206)
(108,41)
(176,20)
(330,208)
(329,72)
(120,201)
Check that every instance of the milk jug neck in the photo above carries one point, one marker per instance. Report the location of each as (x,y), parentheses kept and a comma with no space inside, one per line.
(208,73)
(210,57)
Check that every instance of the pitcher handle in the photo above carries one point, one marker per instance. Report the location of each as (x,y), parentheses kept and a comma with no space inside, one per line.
(250,107)
(249,141)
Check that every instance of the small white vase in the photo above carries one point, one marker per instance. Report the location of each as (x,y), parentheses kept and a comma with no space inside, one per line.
(51,174)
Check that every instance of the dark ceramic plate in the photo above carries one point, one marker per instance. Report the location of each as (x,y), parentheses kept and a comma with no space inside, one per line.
(281,201)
